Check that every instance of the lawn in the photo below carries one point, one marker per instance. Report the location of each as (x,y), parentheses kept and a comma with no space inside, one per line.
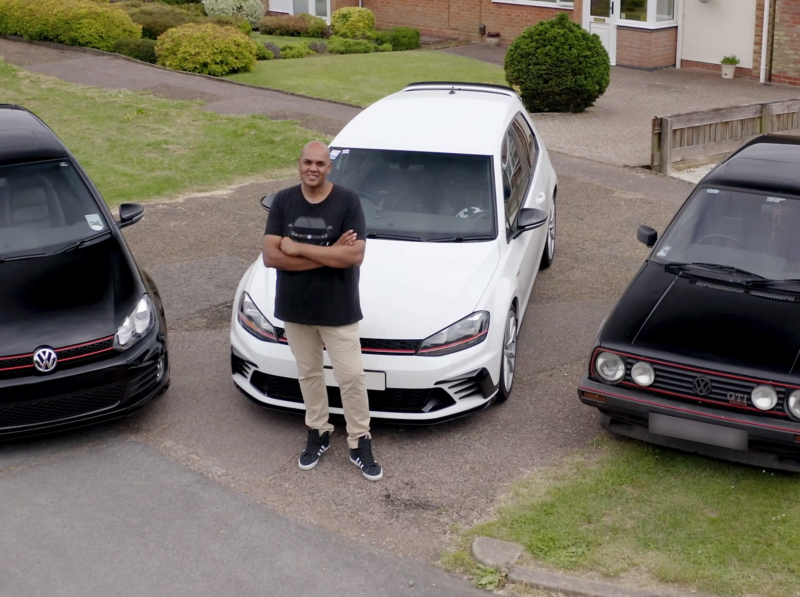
(281,39)
(365,78)
(723,528)
(137,147)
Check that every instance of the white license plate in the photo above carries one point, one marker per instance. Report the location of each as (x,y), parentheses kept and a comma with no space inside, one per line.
(376,380)
(695,431)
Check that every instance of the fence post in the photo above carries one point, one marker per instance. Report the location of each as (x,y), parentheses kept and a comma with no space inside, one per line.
(666,146)
(766,118)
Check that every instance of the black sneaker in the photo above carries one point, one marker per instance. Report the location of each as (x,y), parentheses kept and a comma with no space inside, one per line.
(362,458)
(315,448)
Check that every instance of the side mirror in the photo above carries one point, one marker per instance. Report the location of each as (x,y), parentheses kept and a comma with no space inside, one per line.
(529,219)
(647,236)
(130,213)
(267,201)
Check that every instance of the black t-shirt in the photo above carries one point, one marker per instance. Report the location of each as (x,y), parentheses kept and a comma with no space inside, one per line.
(326,295)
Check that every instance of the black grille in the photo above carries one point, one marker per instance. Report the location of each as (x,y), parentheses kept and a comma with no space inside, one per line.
(678,383)
(142,379)
(69,356)
(241,366)
(61,407)
(85,350)
(375,345)
(388,400)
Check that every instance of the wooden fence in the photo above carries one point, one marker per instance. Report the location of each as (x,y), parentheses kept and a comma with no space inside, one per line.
(683,141)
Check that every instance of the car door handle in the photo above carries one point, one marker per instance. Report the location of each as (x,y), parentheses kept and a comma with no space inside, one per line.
(540,198)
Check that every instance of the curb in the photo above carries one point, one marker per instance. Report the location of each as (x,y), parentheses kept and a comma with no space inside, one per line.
(503,555)
(82,50)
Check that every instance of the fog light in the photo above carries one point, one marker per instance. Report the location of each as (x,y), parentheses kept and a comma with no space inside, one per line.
(643,373)
(610,366)
(160,369)
(793,404)
(764,397)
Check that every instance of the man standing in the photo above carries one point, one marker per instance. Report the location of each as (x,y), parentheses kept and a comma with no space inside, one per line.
(315,238)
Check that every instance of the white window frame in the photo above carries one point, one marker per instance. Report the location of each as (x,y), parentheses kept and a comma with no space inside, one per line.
(651,19)
(561,4)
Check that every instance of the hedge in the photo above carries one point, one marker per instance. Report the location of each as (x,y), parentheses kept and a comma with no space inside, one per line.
(298,50)
(141,49)
(404,38)
(352,21)
(304,25)
(341,45)
(250,10)
(206,48)
(85,23)
(558,66)
(262,53)
(156,18)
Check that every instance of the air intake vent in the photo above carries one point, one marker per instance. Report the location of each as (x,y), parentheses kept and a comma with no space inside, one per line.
(724,287)
(775,296)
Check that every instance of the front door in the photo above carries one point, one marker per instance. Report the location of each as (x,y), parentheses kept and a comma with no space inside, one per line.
(601,18)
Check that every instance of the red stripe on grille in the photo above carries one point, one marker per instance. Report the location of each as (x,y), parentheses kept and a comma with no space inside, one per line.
(84,344)
(15,368)
(83,356)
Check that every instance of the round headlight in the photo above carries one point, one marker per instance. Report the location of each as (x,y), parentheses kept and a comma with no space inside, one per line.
(643,374)
(793,404)
(610,366)
(764,397)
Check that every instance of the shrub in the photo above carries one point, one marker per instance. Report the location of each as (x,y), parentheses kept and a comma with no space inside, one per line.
(156,18)
(341,45)
(85,23)
(238,22)
(250,10)
(288,25)
(263,53)
(141,49)
(404,38)
(180,2)
(300,50)
(276,51)
(377,37)
(557,66)
(316,27)
(318,47)
(206,48)
(384,48)
(352,21)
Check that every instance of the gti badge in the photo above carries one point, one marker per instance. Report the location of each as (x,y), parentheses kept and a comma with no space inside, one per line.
(702,386)
(45,359)
(737,399)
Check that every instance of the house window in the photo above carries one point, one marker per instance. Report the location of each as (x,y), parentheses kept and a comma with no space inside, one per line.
(648,14)
(633,10)
(547,3)
(665,10)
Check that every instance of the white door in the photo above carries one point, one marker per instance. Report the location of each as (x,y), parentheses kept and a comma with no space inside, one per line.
(601,17)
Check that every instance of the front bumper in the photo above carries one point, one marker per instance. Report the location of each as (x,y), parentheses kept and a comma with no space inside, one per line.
(100,391)
(771,443)
(418,389)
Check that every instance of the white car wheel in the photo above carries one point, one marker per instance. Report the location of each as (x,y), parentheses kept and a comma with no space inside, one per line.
(550,244)
(508,362)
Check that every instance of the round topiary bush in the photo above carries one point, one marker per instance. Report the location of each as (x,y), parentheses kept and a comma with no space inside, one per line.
(250,10)
(557,66)
(206,48)
(352,21)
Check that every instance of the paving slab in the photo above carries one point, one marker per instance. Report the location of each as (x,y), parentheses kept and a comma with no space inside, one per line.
(495,553)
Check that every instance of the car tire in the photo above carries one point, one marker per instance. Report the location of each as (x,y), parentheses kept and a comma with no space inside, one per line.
(508,358)
(550,244)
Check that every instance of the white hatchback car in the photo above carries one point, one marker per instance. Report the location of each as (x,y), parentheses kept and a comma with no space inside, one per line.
(460,203)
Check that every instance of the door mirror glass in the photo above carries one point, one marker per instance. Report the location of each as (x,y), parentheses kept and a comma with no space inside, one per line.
(267,201)
(647,236)
(130,213)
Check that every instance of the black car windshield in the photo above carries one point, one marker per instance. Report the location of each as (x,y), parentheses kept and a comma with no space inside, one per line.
(44,207)
(743,230)
(420,196)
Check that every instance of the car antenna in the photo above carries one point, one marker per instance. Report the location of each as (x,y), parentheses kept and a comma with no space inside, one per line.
(452,90)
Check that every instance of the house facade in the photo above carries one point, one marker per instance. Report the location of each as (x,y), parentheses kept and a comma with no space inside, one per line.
(647,34)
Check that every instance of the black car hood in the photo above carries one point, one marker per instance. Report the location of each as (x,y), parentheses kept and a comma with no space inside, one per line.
(707,320)
(65,299)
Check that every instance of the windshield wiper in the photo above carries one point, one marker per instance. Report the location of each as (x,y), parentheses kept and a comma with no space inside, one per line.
(460,239)
(774,282)
(393,237)
(726,269)
(21,257)
(81,243)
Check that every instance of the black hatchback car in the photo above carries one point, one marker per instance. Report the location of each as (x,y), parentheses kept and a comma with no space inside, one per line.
(82,330)
(702,351)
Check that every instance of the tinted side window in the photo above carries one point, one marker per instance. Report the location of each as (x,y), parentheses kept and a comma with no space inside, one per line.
(516,173)
(526,134)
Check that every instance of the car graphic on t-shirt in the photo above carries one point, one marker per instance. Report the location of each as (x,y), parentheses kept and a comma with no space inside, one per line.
(312,231)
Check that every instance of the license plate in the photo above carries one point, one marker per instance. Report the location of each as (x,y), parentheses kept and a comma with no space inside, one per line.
(695,431)
(376,380)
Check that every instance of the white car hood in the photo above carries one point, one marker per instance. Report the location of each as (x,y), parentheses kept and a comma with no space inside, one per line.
(409,290)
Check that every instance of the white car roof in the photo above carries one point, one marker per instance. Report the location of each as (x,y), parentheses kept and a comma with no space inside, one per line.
(431,118)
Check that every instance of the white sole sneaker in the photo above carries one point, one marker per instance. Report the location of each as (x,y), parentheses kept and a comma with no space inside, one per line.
(366,476)
(313,464)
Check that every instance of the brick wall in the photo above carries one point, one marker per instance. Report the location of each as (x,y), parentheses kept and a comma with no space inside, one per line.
(646,48)
(462,18)
(786,44)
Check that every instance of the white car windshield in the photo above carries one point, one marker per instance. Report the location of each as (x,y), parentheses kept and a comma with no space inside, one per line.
(45,207)
(420,196)
(748,231)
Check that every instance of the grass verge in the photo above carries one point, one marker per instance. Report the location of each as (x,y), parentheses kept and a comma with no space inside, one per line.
(137,147)
(365,78)
(723,528)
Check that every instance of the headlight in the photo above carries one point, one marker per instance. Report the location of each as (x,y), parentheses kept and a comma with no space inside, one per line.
(610,366)
(643,373)
(468,332)
(254,321)
(793,404)
(136,325)
(764,397)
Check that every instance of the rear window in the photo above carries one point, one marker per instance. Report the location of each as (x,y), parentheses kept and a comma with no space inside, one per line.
(45,206)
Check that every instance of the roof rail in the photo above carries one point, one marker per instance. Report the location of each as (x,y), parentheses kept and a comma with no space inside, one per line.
(460,85)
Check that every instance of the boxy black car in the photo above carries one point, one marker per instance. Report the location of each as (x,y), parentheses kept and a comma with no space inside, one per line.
(82,330)
(702,351)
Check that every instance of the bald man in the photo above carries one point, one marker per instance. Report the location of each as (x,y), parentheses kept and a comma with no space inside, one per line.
(315,238)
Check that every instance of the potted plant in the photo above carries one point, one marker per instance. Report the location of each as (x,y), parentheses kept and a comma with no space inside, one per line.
(729,66)
(493,38)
